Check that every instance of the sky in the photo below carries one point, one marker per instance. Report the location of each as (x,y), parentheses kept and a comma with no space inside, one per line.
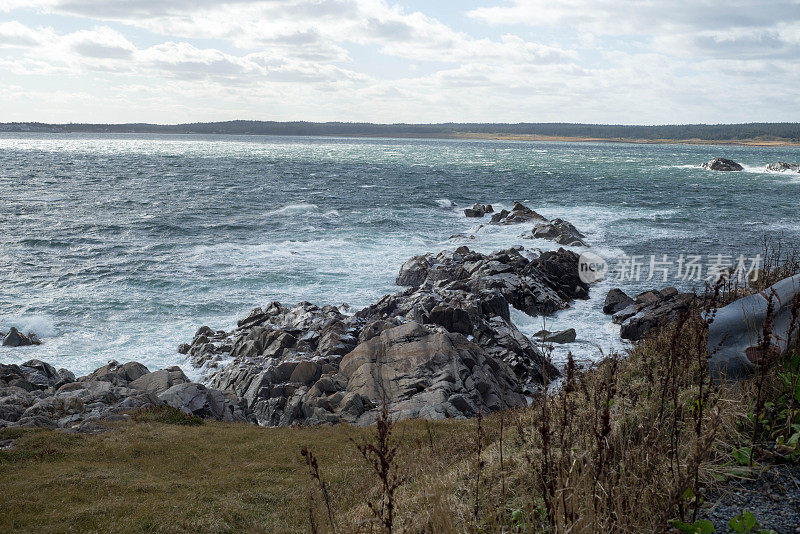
(596,61)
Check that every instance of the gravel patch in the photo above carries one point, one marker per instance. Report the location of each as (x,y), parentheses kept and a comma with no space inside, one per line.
(773,498)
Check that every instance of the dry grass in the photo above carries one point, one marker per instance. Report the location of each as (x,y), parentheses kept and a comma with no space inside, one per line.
(217,477)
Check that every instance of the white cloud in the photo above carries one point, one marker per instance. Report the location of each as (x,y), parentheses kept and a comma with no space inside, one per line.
(14,34)
(642,17)
(516,60)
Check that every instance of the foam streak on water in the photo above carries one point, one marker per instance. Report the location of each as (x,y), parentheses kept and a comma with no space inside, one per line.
(120,246)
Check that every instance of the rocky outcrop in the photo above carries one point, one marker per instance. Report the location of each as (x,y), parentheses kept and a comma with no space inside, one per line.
(478,210)
(35,394)
(299,375)
(722,164)
(560,231)
(443,347)
(15,338)
(782,166)
(648,311)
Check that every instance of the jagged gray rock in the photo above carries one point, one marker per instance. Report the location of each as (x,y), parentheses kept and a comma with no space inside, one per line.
(421,371)
(560,231)
(535,285)
(616,300)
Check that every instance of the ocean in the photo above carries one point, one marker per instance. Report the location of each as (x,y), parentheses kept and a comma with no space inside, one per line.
(121,246)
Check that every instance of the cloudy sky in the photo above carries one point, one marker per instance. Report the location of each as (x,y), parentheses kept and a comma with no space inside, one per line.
(606,61)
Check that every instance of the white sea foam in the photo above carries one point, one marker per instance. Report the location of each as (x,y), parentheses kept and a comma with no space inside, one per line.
(41,325)
(291,209)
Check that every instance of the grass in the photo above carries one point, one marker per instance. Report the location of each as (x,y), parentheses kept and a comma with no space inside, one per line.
(216,477)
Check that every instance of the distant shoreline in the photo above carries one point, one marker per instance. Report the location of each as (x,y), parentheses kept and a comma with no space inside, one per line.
(477,136)
(746,134)
(565,139)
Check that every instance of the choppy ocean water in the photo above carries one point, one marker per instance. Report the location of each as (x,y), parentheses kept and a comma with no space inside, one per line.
(121,246)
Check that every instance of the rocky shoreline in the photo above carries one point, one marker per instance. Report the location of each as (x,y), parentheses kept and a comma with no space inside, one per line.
(444,346)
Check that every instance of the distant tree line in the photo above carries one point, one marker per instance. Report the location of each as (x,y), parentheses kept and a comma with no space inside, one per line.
(724,132)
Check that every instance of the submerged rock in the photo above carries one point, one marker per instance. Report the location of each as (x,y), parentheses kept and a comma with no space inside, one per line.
(722,164)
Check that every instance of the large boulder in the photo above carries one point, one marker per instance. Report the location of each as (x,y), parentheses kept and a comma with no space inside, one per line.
(722,164)
(426,372)
(159,381)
